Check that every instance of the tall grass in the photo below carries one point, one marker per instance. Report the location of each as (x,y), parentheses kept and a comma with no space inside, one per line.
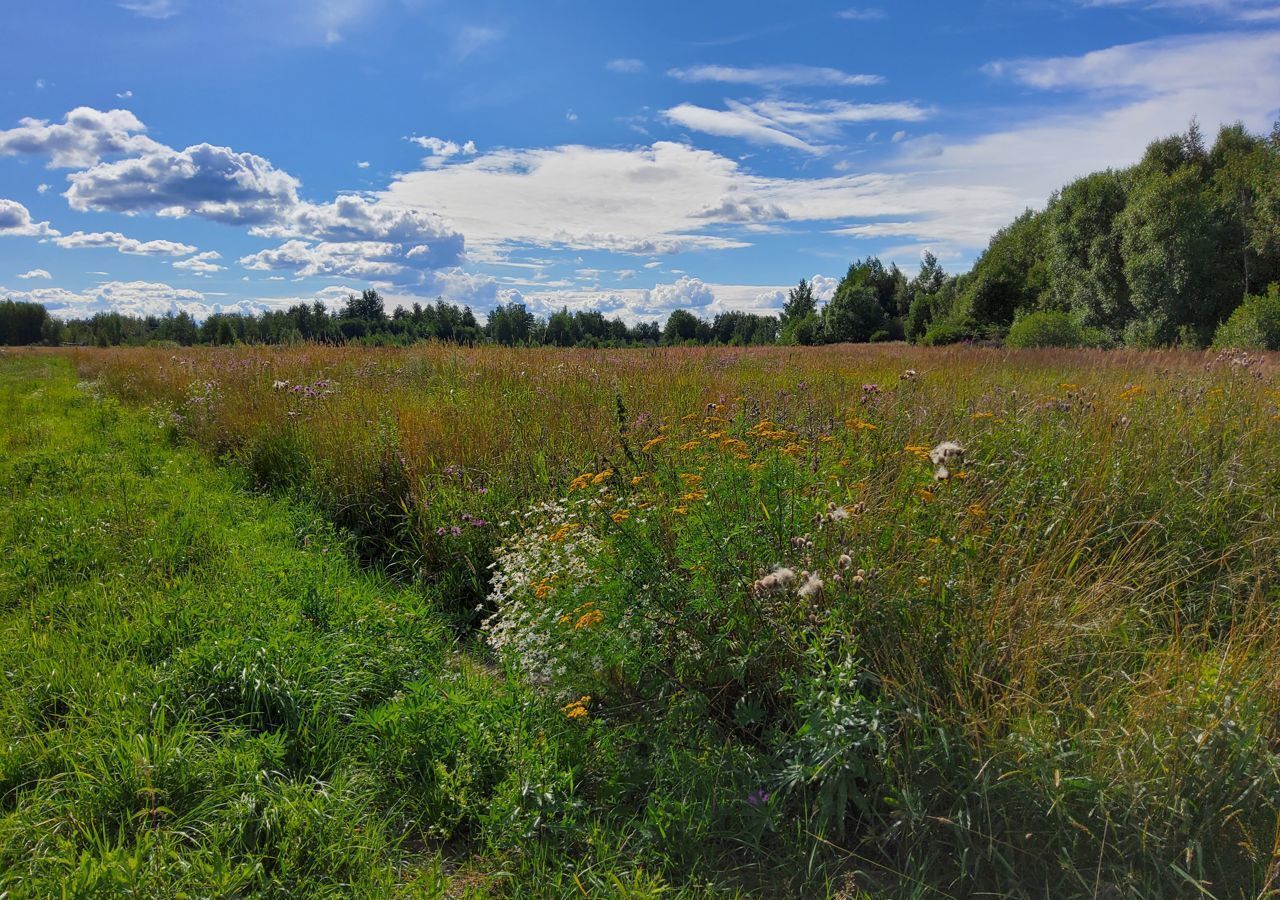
(1058,678)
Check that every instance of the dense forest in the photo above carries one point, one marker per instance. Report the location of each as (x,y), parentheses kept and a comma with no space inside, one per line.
(1181,249)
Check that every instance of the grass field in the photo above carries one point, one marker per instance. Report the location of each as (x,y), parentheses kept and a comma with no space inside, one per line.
(429,622)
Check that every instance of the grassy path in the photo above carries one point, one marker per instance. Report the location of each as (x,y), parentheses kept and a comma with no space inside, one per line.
(188,670)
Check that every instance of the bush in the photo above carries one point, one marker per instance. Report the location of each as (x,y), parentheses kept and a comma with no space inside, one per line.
(941,333)
(1045,329)
(1255,324)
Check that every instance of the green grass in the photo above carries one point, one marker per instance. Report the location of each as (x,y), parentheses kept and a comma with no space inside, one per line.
(1055,679)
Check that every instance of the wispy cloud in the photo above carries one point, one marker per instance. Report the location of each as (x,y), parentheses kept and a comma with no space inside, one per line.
(774,76)
(151,9)
(626,66)
(861,14)
(799,126)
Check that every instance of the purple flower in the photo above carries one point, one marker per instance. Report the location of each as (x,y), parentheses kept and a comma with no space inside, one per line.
(758,797)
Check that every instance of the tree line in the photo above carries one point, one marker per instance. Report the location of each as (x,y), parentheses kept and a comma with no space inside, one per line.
(1182,248)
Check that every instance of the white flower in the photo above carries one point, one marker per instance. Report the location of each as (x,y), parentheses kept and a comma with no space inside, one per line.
(946,453)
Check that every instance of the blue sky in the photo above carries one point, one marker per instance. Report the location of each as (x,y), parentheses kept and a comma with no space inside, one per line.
(158,155)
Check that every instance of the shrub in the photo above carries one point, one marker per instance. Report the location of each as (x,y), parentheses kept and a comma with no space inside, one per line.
(1047,328)
(1255,324)
(941,333)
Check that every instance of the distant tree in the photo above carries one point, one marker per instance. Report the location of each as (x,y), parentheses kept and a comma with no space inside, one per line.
(853,315)
(800,304)
(22,323)
(682,326)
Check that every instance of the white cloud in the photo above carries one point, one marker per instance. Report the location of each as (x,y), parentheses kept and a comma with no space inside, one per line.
(42,188)
(117,241)
(824,287)
(625,66)
(124,95)
(201,263)
(83,137)
(1241,10)
(16,221)
(861,14)
(738,121)
(775,76)
(442,149)
(151,9)
(790,123)
(203,180)
(362,164)
(138,298)
(36,273)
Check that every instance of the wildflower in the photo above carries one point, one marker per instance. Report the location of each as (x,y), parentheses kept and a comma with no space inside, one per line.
(691,479)
(680,510)
(845,561)
(580,482)
(689,445)
(620,516)
(856,424)
(909,375)
(925,494)
(917,450)
(836,513)
(1133,390)
(976,510)
(589,619)
(602,477)
(812,586)
(758,797)
(982,415)
(563,532)
(693,496)
(636,480)
(578,708)
(279,385)
(871,389)
(948,452)
(649,445)
(543,590)
(922,580)
(776,580)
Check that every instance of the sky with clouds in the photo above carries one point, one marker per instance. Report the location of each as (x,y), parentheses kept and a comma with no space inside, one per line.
(159,155)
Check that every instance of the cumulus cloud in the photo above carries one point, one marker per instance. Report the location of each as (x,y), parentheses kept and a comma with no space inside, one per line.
(138,298)
(442,149)
(201,263)
(16,221)
(36,273)
(117,241)
(775,76)
(83,137)
(211,182)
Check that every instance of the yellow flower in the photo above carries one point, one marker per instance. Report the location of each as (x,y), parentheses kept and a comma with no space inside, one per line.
(578,708)
(976,510)
(794,449)
(922,580)
(859,425)
(756,466)
(563,532)
(620,516)
(689,445)
(691,479)
(603,477)
(982,415)
(588,620)
(925,494)
(543,590)
(636,480)
(580,482)
(1068,386)
(693,496)
(649,445)
(680,510)
(917,450)
(1132,391)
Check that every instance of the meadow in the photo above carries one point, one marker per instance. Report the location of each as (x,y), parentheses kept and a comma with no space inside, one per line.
(851,620)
